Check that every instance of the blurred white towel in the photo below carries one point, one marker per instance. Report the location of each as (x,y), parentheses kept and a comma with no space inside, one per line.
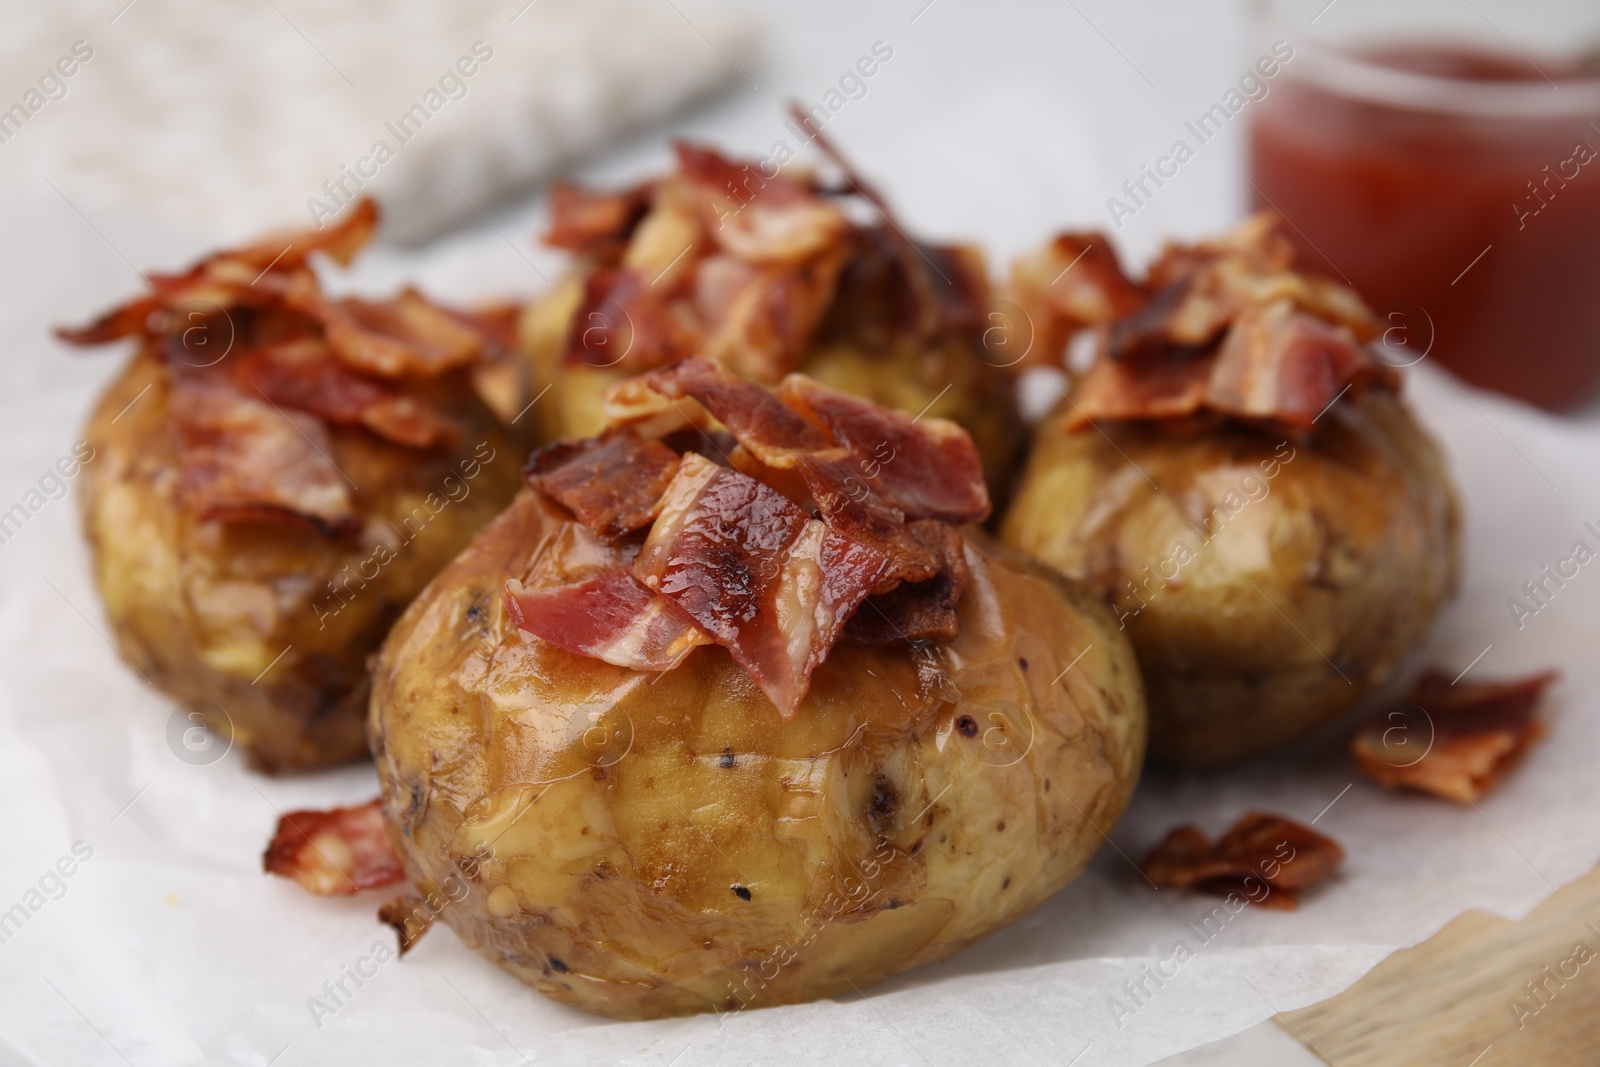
(229,118)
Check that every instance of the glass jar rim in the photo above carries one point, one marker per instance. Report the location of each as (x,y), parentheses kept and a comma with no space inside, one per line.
(1347,73)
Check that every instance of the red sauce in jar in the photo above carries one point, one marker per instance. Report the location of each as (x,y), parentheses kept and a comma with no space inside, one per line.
(1475,230)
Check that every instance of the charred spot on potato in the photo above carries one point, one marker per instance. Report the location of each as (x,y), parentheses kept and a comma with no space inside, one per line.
(885,798)
(1001,825)
(1022,662)
(1047,785)
(726,759)
(474,613)
(967,726)
(1007,883)
(557,966)
(741,892)
(894,902)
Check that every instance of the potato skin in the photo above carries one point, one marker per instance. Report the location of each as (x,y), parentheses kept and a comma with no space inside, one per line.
(949,379)
(642,845)
(204,608)
(1348,552)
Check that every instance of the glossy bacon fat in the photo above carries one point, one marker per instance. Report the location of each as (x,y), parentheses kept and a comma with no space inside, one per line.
(1223,328)
(813,517)
(262,364)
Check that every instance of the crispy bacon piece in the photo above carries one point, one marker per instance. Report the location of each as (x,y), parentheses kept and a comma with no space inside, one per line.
(1282,364)
(731,550)
(611,617)
(300,376)
(766,583)
(922,610)
(612,483)
(623,320)
(761,317)
(595,222)
(1275,364)
(1268,859)
(409,917)
(757,217)
(334,853)
(1454,741)
(1223,327)
(928,467)
(844,487)
(760,421)
(1073,283)
(262,364)
(404,336)
(125,320)
(241,459)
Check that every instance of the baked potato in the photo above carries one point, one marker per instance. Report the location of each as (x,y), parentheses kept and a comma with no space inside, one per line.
(766,272)
(1274,550)
(696,835)
(275,478)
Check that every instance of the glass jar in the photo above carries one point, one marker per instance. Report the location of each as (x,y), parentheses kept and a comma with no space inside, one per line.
(1445,160)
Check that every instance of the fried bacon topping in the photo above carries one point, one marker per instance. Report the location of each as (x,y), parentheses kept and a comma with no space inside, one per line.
(1454,741)
(1264,858)
(262,364)
(767,538)
(748,265)
(1225,328)
(334,853)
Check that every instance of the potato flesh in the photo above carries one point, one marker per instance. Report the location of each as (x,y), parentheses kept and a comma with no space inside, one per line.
(1305,590)
(645,845)
(243,616)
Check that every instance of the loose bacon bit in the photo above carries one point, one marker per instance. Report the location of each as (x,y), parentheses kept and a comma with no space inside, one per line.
(611,617)
(334,853)
(241,459)
(594,222)
(613,483)
(1259,849)
(928,468)
(409,917)
(1454,741)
